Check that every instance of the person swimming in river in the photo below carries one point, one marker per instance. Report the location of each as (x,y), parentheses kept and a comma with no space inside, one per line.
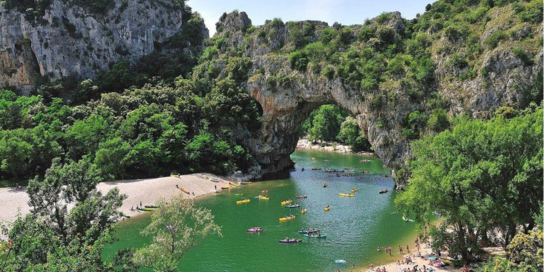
(379,249)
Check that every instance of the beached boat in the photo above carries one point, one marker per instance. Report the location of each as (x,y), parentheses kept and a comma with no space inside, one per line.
(316,169)
(255,229)
(303,231)
(234,184)
(225,187)
(145,209)
(285,202)
(292,206)
(346,195)
(287,218)
(340,261)
(315,235)
(264,197)
(290,241)
(406,219)
(303,211)
(383,191)
(183,190)
(301,196)
(151,206)
(242,201)
(327,208)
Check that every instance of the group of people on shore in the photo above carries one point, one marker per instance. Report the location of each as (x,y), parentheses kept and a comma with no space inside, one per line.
(389,250)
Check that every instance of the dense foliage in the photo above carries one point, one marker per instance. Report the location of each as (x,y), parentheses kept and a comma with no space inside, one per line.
(54,237)
(332,123)
(479,169)
(176,227)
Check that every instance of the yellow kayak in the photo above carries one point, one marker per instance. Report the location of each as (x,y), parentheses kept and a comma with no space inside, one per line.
(327,209)
(354,190)
(303,211)
(347,195)
(287,218)
(283,203)
(242,201)
(264,197)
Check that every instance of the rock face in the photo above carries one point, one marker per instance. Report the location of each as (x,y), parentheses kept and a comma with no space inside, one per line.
(288,96)
(69,40)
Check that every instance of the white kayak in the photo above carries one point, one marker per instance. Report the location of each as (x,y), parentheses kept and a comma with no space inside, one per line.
(340,261)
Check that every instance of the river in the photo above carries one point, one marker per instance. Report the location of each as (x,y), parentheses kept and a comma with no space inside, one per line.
(355,226)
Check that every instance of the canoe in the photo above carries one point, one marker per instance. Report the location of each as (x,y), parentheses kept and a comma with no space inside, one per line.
(287,218)
(301,196)
(145,209)
(327,209)
(347,195)
(285,202)
(234,184)
(242,201)
(255,229)
(292,206)
(383,191)
(151,206)
(340,261)
(225,187)
(316,235)
(125,216)
(183,190)
(303,231)
(264,197)
(290,241)
(303,211)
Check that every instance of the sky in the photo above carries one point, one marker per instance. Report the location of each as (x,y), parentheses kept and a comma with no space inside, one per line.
(346,12)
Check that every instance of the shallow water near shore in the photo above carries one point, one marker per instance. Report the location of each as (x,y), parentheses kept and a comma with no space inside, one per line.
(355,226)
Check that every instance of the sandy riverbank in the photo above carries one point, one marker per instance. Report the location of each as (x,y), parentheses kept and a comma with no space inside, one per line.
(303,143)
(419,261)
(146,191)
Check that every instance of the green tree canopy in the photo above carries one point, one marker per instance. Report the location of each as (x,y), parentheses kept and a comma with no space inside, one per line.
(481,176)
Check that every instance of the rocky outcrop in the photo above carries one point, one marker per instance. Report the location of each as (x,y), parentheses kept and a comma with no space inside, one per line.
(69,40)
(288,96)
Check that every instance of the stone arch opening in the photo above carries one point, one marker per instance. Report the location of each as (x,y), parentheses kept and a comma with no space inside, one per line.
(286,109)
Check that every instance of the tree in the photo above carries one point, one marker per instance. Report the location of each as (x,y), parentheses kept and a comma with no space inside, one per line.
(479,169)
(326,122)
(54,237)
(351,134)
(177,227)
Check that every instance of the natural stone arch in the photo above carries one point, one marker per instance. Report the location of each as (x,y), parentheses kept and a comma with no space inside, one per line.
(285,110)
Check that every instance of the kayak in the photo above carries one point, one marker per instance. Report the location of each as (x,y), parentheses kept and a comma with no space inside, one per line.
(301,196)
(327,209)
(290,241)
(225,187)
(383,191)
(292,206)
(242,201)
(354,190)
(340,261)
(255,229)
(183,190)
(151,206)
(316,235)
(347,195)
(406,219)
(145,209)
(264,197)
(303,231)
(264,192)
(287,218)
(285,202)
(303,211)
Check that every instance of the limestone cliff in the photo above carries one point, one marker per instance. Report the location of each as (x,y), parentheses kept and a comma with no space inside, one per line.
(380,72)
(70,40)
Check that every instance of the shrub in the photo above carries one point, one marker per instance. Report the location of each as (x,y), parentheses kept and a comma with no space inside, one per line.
(493,40)
(377,102)
(522,55)
(277,22)
(298,61)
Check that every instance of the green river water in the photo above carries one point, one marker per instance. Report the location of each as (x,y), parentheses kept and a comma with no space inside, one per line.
(355,226)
